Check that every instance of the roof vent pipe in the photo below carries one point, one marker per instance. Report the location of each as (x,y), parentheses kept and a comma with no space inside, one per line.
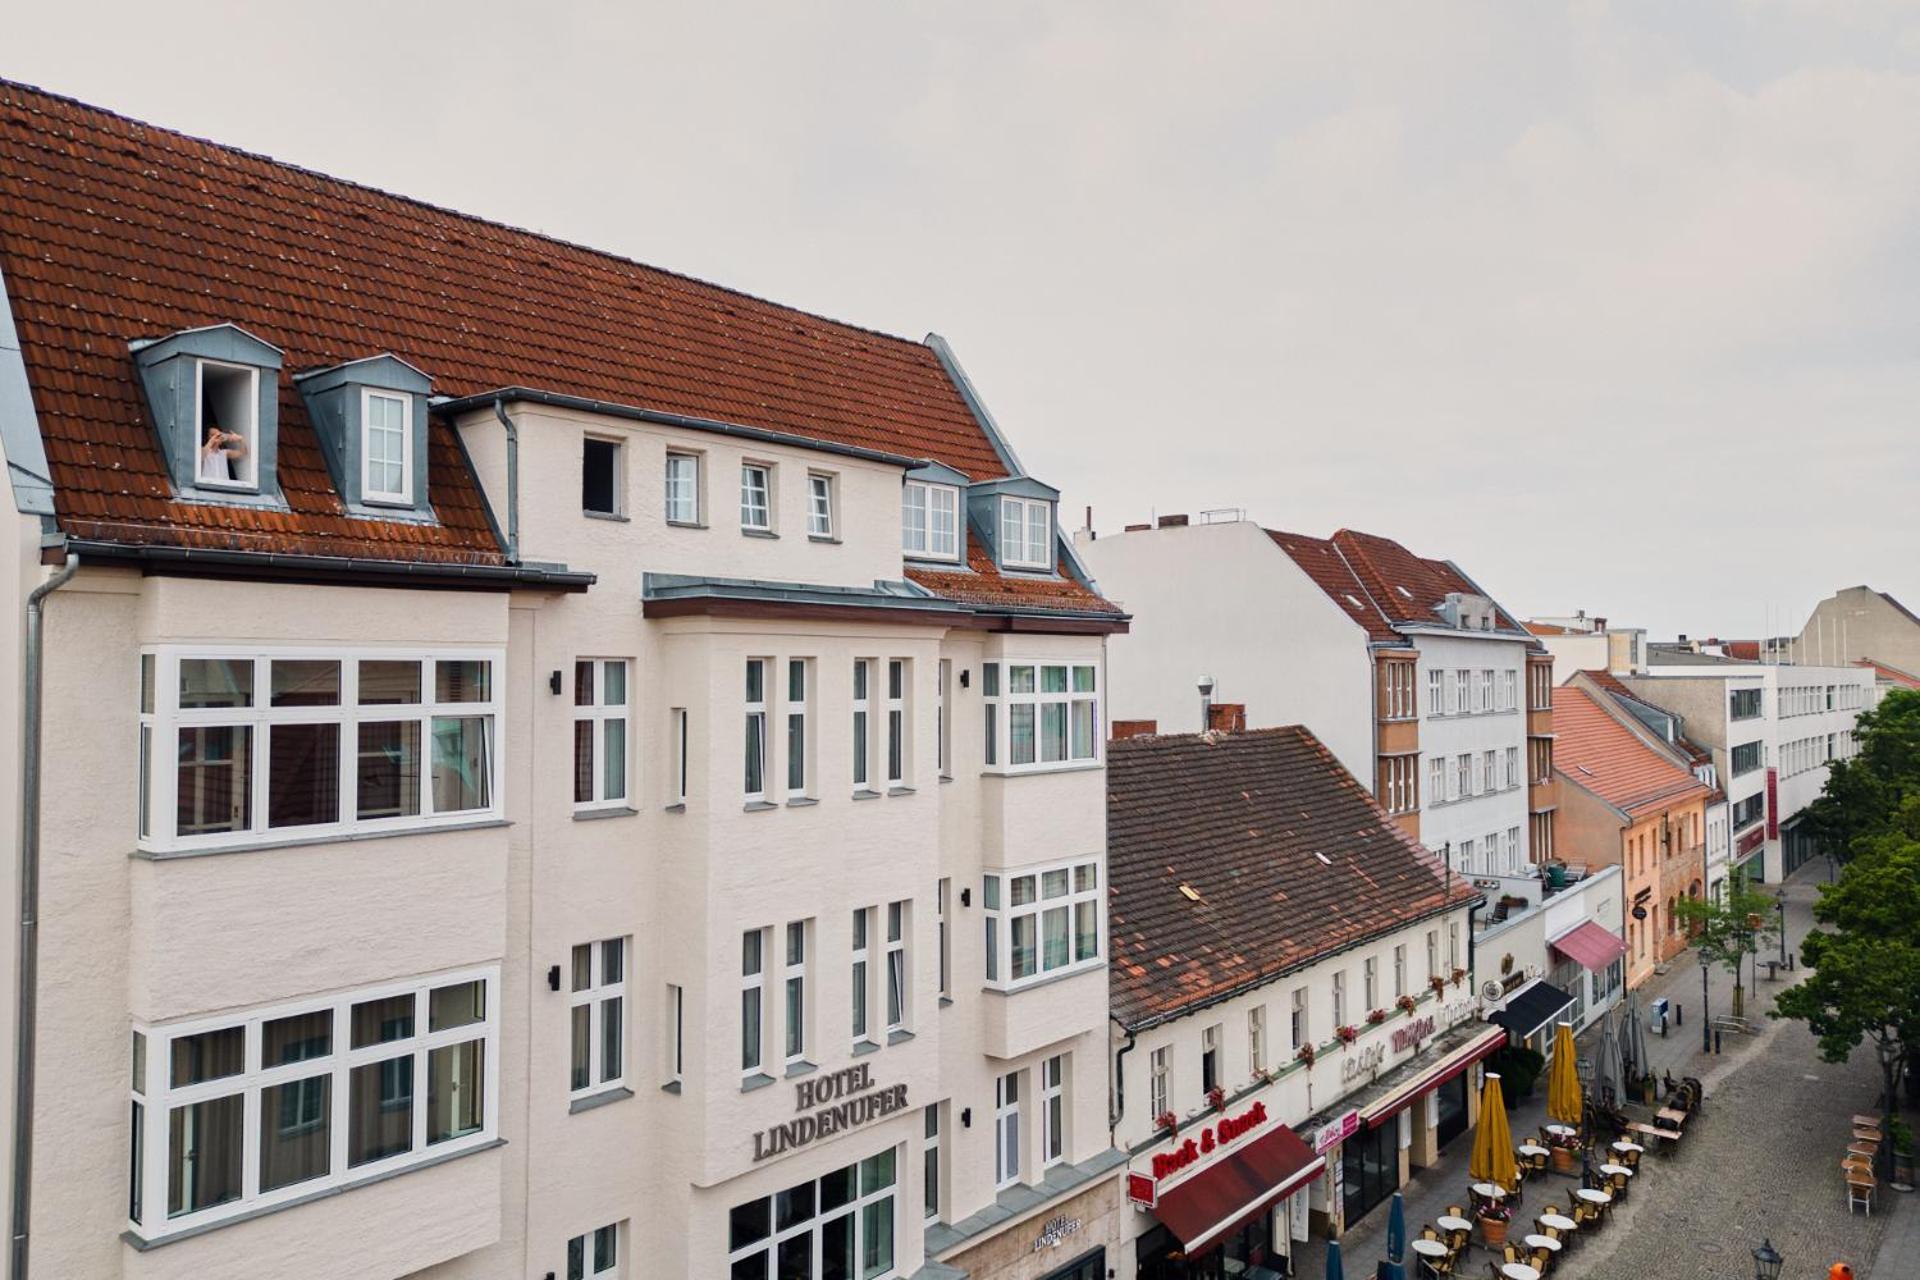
(1206,703)
(513,480)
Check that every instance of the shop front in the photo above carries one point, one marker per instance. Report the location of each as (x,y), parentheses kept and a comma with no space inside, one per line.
(1072,1238)
(1226,1206)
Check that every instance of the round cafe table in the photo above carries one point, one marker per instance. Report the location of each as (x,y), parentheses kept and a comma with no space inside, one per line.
(1558,1223)
(1519,1271)
(1616,1168)
(1488,1191)
(1624,1147)
(1447,1222)
(1592,1196)
(1429,1248)
(1562,1130)
(1543,1242)
(1531,1149)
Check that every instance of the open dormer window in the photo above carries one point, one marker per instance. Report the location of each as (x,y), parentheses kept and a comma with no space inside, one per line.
(930,520)
(1026,533)
(386,447)
(228,427)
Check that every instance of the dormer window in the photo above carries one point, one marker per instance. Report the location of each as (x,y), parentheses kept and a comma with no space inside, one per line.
(386,447)
(930,520)
(1026,533)
(228,425)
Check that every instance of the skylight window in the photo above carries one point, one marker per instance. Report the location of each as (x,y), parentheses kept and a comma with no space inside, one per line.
(1354,602)
(1403,591)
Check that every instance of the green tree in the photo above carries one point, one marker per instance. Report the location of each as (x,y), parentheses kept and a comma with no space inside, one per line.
(1730,930)
(1877,790)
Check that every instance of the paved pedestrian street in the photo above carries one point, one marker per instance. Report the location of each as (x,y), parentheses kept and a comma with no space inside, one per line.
(1759,1162)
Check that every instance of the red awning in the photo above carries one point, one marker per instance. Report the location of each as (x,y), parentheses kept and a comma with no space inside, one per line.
(1590,946)
(1221,1197)
(1401,1096)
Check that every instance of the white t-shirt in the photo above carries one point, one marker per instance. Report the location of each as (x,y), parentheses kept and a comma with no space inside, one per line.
(215,465)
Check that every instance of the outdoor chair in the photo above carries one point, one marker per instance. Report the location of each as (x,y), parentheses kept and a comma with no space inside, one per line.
(1537,1163)
(1860,1193)
(1429,1233)
(1454,1211)
(1541,1260)
(1512,1252)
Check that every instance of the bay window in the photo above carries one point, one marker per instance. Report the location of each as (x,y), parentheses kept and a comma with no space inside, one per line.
(1049,714)
(305,743)
(244,1112)
(599,733)
(1026,533)
(930,520)
(1047,923)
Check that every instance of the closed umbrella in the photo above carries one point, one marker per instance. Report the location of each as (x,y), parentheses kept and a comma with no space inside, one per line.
(1492,1158)
(1606,1065)
(1563,1079)
(1334,1270)
(1394,1268)
(1633,1047)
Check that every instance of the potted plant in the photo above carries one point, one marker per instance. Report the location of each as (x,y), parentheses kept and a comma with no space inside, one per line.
(1494,1217)
(1168,1121)
(1901,1136)
(1564,1152)
(1346,1034)
(1405,1004)
(1306,1054)
(1376,1016)
(1439,984)
(1217,1098)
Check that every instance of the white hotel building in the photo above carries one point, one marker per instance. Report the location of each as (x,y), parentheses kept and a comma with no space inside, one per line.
(584,774)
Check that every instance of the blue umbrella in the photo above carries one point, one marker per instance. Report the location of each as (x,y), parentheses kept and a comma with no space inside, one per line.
(1334,1270)
(1397,1229)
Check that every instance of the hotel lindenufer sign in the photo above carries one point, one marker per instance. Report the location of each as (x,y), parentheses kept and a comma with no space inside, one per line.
(835,1102)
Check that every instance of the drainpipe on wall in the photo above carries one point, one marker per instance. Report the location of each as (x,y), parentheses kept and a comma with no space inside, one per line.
(1118,1107)
(513,480)
(29,942)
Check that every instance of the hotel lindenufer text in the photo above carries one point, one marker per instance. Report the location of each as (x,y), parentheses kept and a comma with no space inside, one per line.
(545,767)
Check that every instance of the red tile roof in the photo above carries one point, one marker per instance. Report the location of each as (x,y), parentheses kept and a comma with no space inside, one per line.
(1379,583)
(1610,684)
(1242,819)
(1884,671)
(1321,561)
(1597,752)
(986,587)
(112,230)
(1551,629)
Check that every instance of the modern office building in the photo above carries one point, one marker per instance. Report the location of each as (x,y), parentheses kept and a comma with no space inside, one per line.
(546,767)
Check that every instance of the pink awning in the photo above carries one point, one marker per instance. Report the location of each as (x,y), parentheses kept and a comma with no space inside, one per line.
(1590,946)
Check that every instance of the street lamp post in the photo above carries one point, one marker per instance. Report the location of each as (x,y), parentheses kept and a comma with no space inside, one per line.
(1766,1261)
(1706,1016)
(1780,901)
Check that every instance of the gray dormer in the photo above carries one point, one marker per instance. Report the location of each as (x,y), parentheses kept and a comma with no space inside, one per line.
(933,524)
(1019,519)
(370,417)
(1465,611)
(224,378)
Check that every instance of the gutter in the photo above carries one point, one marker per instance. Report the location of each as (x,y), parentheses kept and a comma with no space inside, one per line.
(160,559)
(634,413)
(27,978)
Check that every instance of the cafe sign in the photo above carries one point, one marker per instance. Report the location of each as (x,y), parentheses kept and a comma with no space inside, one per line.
(1212,1138)
(832,1103)
(1355,1065)
(1408,1035)
(1336,1132)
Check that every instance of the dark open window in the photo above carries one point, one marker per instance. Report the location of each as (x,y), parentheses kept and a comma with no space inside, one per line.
(599,477)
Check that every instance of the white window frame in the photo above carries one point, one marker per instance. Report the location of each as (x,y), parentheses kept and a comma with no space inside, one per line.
(1462,778)
(250,460)
(929,521)
(931,1179)
(403,496)
(860,976)
(899,741)
(676,1033)
(897,985)
(755,719)
(1436,691)
(168,719)
(1509,690)
(753,993)
(1513,767)
(1490,765)
(942,726)
(590,1268)
(864,737)
(1026,551)
(799,762)
(1370,982)
(679,746)
(796,940)
(858,1209)
(1340,999)
(944,957)
(1080,714)
(1159,1083)
(1484,703)
(1084,903)
(1436,779)
(158,1096)
(1211,1053)
(820,487)
(1006,1130)
(594,998)
(1399,970)
(1462,692)
(606,718)
(1299,1028)
(764,509)
(1053,1111)
(1257,1039)
(674,492)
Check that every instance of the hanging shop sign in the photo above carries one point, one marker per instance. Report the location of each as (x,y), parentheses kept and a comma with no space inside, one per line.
(1408,1035)
(1335,1132)
(1210,1139)
(1142,1191)
(834,1103)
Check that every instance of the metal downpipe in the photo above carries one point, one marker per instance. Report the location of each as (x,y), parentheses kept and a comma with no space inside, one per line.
(26,1011)
(513,479)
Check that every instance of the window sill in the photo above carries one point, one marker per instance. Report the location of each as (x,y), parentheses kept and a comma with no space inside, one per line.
(801,1068)
(349,837)
(1042,770)
(900,791)
(672,1087)
(861,1048)
(758,1080)
(594,815)
(801,802)
(866,794)
(685,524)
(142,1244)
(758,533)
(921,558)
(594,1101)
(614,516)
(946,1002)
(1029,984)
(757,806)
(678,807)
(899,1036)
(826,538)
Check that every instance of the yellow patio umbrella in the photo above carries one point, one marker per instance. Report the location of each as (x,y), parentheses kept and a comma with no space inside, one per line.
(1563,1081)
(1492,1159)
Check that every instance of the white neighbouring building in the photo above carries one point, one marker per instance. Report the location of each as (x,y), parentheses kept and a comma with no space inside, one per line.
(584,773)
(1295,1028)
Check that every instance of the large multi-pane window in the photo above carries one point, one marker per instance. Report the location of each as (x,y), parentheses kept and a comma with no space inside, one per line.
(597,1004)
(1396,691)
(683,488)
(249,1110)
(1049,922)
(1747,757)
(754,776)
(1399,778)
(312,743)
(1026,533)
(819,505)
(756,497)
(1436,779)
(1051,714)
(930,520)
(840,1225)
(596,1255)
(1745,704)
(1749,810)
(600,733)
(386,447)
(1436,691)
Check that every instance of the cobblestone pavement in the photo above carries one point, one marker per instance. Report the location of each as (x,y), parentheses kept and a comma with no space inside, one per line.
(1761,1161)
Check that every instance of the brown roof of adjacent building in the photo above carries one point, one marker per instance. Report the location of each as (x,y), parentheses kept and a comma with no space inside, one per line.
(1601,755)
(1551,629)
(1889,672)
(1380,584)
(1287,856)
(112,230)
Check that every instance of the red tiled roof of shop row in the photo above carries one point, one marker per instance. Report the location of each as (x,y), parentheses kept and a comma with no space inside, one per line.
(1600,754)
(112,230)
(1610,684)
(1379,583)
(1243,820)
(1882,670)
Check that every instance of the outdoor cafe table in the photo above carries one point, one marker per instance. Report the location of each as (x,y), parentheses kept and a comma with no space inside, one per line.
(1672,1117)
(1592,1196)
(1623,1146)
(1543,1242)
(1531,1149)
(1488,1191)
(1519,1271)
(1447,1222)
(1558,1223)
(1616,1168)
(1562,1130)
(1429,1248)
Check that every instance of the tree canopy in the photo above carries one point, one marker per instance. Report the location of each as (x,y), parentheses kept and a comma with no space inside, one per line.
(1877,790)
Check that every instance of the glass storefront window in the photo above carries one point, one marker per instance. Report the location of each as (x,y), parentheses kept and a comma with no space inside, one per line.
(837,1227)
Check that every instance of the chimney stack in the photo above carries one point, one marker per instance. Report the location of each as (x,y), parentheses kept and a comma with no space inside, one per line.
(1227,717)
(1173,522)
(1124,729)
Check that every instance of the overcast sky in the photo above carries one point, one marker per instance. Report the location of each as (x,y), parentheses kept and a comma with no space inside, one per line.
(1617,305)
